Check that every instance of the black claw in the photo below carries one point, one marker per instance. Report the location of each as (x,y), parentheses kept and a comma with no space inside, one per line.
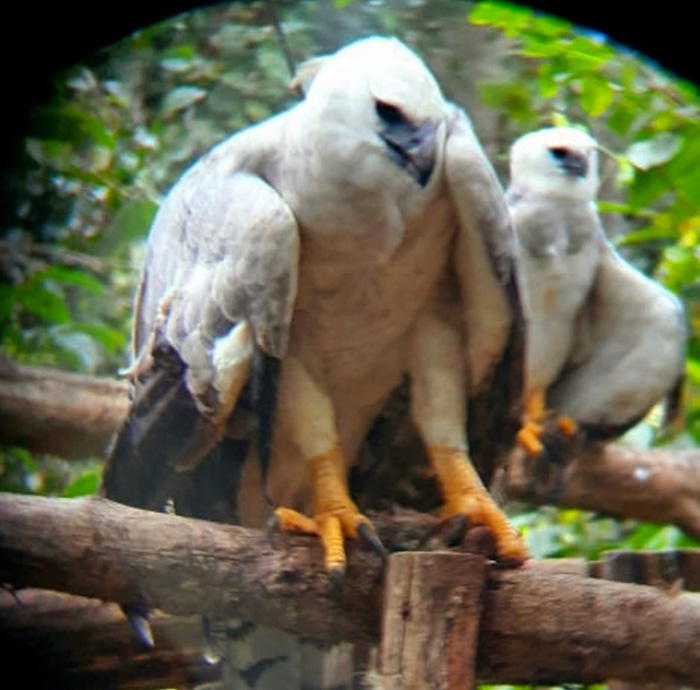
(336,576)
(455,531)
(210,648)
(369,536)
(138,619)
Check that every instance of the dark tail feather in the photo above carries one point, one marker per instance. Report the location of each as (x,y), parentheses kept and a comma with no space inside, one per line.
(164,430)
(264,383)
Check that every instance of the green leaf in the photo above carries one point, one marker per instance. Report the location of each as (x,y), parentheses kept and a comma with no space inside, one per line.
(596,94)
(70,124)
(513,19)
(86,484)
(621,118)
(647,186)
(547,79)
(550,27)
(693,370)
(72,276)
(649,234)
(47,304)
(132,221)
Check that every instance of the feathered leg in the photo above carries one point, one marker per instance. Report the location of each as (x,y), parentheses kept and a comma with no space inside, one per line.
(438,396)
(306,411)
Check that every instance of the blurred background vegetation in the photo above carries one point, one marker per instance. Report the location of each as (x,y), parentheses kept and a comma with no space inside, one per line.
(122,126)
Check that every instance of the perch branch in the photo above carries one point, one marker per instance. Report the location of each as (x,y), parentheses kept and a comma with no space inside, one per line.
(542,623)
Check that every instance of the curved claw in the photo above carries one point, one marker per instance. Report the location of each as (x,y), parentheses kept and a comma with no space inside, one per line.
(456,530)
(138,619)
(369,536)
(336,576)
(332,528)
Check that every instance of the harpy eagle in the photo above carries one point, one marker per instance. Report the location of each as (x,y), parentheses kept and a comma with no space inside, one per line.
(605,343)
(303,268)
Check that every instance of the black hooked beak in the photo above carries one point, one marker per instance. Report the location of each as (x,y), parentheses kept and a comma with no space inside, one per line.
(411,147)
(571,162)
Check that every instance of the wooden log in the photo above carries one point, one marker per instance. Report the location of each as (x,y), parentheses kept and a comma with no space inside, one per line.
(539,625)
(432,609)
(649,485)
(68,415)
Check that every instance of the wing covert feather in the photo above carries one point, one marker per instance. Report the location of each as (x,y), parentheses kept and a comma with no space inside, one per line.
(224,249)
(485,266)
(630,348)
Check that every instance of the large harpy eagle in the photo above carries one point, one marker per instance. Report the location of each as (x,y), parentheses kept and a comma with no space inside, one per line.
(303,268)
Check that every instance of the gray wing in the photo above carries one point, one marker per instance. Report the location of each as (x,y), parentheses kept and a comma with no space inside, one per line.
(629,351)
(485,264)
(218,283)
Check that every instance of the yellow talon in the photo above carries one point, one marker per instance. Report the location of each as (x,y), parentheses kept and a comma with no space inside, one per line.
(335,515)
(567,426)
(529,438)
(465,495)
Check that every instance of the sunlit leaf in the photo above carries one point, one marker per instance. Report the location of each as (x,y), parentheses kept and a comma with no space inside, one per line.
(596,94)
(511,18)
(85,485)
(72,276)
(621,118)
(649,234)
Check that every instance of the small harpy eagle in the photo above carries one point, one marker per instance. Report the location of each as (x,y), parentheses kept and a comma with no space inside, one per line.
(299,271)
(604,342)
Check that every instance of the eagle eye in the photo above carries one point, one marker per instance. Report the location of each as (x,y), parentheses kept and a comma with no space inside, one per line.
(389,113)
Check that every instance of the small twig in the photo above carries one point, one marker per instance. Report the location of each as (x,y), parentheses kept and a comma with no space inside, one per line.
(284,44)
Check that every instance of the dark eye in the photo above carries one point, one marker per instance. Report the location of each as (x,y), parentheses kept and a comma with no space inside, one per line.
(559,153)
(389,113)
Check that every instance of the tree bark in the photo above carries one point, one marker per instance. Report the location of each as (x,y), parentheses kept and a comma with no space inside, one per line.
(542,623)
(648,485)
(432,608)
(48,411)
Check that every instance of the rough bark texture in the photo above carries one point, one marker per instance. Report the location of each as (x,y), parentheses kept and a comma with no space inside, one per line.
(74,416)
(653,485)
(432,608)
(48,411)
(542,623)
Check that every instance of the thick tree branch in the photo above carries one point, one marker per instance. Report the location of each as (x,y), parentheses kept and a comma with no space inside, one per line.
(74,416)
(652,485)
(541,623)
(68,415)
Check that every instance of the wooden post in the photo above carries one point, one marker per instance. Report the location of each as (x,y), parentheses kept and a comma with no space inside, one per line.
(430,627)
